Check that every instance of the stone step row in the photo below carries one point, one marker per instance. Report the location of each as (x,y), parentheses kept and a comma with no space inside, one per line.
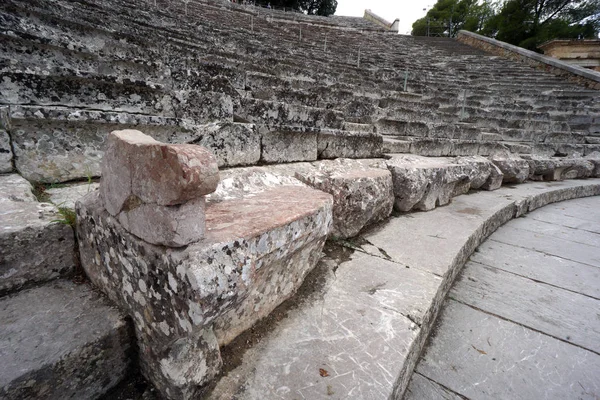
(58,144)
(58,337)
(358,326)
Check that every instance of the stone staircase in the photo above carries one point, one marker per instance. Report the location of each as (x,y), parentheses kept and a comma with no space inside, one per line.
(320,127)
(60,338)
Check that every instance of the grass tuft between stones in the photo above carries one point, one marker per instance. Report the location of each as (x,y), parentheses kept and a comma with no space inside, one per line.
(68,216)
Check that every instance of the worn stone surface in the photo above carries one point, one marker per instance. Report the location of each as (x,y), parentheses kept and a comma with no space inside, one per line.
(156,173)
(514,169)
(334,144)
(362,194)
(349,341)
(521,322)
(288,145)
(361,189)
(559,313)
(29,229)
(172,226)
(238,183)
(156,190)
(394,270)
(421,388)
(483,356)
(61,340)
(13,187)
(66,196)
(594,158)
(6,154)
(57,145)
(186,302)
(423,183)
(579,252)
(556,169)
(559,272)
(483,174)
(233,144)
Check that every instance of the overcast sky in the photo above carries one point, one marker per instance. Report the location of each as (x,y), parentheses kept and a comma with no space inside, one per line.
(407,10)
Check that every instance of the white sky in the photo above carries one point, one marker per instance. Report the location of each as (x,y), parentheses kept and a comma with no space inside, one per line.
(407,10)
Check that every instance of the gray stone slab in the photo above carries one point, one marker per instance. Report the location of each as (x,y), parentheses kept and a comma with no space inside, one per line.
(578,252)
(481,356)
(458,228)
(67,196)
(355,331)
(59,341)
(539,266)
(410,239)
(288,146)
(6,154)
(34,246)
(558,231)
(13,187)
(557,312)
(422,388)
(555,216)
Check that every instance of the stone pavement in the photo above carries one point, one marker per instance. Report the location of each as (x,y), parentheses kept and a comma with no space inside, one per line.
(523,319)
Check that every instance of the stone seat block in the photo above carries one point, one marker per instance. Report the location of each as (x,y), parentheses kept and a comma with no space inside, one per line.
(58,144)
(273,113)
(61,340)
(333,143)
(594,158)
(557,169)
(423,183)
(29,229)
(362,192)
(514,169)
(186,302)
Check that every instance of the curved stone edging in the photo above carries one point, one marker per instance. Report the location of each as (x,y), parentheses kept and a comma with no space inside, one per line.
(571,72)
(498,218)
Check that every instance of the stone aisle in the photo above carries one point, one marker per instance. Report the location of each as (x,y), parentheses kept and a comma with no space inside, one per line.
(523,319)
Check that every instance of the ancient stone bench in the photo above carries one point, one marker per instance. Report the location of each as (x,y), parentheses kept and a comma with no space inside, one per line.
(194,289)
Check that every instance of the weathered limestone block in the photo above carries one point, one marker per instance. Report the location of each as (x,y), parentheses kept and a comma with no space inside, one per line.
(27,230)
(514,169)
(204,107)
(5,148)
(53,144)
(288,144)
(156,190)
(66,196)
(483,174)
(594,158)
(61,340)
(337,144)
(362,194)
(432,147)
(186,302)
(233,144)
(557,169)
(423,183)
(13,187)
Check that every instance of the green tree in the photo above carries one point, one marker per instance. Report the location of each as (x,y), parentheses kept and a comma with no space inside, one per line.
(447,17)
(310,7)
(529,23)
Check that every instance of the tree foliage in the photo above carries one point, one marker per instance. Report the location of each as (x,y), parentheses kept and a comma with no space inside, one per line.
(310,7)
(447,17)
(526,23)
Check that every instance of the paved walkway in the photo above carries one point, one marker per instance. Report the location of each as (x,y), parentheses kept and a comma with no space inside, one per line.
(523,319)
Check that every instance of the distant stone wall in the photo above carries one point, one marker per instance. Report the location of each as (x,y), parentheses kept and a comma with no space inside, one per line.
(573,73)
(584,53)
